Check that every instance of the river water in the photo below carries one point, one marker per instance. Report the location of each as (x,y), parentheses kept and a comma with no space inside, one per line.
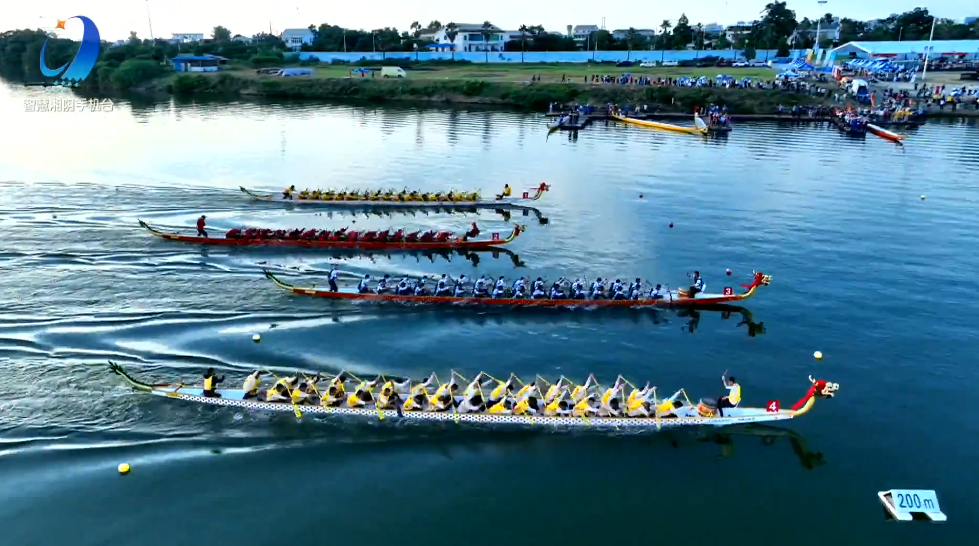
(864,270)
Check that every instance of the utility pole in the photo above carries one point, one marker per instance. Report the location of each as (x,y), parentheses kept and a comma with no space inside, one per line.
(150,19)
(924,74)
(819,23)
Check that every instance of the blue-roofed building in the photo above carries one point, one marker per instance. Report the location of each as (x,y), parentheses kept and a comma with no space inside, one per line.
(197,63)
(907,50)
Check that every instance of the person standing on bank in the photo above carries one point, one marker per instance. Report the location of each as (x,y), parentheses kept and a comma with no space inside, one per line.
(333,279)
(200,227)
(734,394)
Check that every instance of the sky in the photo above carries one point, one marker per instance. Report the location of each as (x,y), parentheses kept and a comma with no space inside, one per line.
(116,18)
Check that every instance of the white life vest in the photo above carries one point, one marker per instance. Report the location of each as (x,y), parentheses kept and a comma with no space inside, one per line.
(364,285)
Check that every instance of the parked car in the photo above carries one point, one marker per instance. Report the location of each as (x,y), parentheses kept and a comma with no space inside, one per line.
(759,64)
(740,64)
(670,63)
(268,71)
(393,72)
(647,64)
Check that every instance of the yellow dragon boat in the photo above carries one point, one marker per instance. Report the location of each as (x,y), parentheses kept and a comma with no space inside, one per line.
(404,198)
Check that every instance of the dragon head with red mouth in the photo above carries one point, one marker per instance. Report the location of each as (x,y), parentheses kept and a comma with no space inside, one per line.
(820,389)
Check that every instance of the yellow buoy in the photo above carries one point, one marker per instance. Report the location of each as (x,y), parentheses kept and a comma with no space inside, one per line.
(124,469)
(818,355)
(256,338)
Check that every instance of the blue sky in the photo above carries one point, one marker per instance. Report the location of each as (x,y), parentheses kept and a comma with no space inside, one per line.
(115,18)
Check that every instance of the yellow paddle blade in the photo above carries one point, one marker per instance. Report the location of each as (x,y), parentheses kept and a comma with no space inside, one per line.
(299,413)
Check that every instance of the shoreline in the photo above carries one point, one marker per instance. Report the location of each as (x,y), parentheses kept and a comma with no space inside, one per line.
(535,96)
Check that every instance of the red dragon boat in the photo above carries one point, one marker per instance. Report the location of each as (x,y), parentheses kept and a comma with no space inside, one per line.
(342,238)
(673,298)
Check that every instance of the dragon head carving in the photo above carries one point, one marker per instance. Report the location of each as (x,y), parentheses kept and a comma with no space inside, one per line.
(823,388)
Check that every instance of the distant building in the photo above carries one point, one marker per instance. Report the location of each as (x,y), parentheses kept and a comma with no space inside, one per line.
(470,38)
(622,34)
(736,31)
(183,38)
(907,50)
(197,63)
(582,33)
(969,20)
(242,39)
(295,38)
(713,29)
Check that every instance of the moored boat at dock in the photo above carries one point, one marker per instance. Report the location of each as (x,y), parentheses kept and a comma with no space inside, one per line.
(342,238)
(402,199)
(562,404)
(660,125)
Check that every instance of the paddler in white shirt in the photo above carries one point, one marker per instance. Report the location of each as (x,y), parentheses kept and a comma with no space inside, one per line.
(472,397)
(420,289)
(657,293)
(615,286)
(538,290)
(365,285)
(499,291)
(461,286)
(480,287)
(363,394)
(556,292)
(697,286)
(382,285)
(597,289)
(442,288)
(577,290)
(250,386)
(418,395)
(404,287)
(635,290)
(619,293)
(520,288)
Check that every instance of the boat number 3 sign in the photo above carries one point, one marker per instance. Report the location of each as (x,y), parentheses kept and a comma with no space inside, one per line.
(526,195)
(772,406)
(728,291)
(496,236)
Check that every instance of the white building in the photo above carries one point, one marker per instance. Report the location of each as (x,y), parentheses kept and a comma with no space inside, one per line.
(623,33)
(184,38)
(242,39)
(470,38)
(295,38)
(713,29)
(733,32)
(582,33)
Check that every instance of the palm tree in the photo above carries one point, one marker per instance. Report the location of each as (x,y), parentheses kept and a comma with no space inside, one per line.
(451,31)
(664,38)
(630,39)
(523,40)
(416,29)
(487,32)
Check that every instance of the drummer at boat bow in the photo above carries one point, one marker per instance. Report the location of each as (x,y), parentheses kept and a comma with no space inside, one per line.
(734,395)
(697,286)
(333,279)
(506,192)
(211,381)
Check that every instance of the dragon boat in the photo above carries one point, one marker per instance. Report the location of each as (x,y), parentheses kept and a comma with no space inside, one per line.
(342,238)
(672,298)
(403,199)
(684,412)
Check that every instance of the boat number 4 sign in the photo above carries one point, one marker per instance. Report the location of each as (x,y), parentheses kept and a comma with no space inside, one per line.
(526,195)
(772,406)
(728,291)
(496,236)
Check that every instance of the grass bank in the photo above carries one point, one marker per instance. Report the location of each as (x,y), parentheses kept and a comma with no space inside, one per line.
(508,86)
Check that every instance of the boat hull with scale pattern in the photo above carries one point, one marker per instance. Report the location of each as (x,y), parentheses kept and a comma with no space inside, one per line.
(690,416)
(525,198)
(453,243)
(673,299)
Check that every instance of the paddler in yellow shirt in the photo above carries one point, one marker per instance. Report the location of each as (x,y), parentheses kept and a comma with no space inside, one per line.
(506,192)
(556,390)
(558,405)
(335,393)
(282,390)
(250,386)
(581,391)
(363,394)
(586,407)
(418,395)
(610,399)
(444,398)
(211,381)
(501,391)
